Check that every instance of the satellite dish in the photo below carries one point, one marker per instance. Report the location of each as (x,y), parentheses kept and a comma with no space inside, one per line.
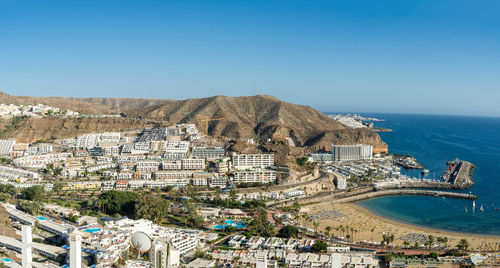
(141,242)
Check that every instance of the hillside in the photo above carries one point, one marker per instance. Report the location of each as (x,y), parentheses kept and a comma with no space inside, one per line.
(74,104)
(260,117)
(50,128)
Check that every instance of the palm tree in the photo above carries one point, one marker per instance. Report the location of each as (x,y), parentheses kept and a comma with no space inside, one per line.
(328,229)
(430,238)
(406,244)
(463,245)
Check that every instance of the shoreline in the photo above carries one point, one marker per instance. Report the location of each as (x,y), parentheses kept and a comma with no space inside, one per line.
(365,225)
(368,212)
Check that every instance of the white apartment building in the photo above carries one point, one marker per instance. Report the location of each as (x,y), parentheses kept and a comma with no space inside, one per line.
(176,146)
(171,165)
(258,175)
(136,184)
(107,185)
(248,161)
(6,146)
(200,181)
(110,150)
(341,182)
(210,153)
(99,167)
(39,161)
(42,149)
(220,182)
(352,152)
(147,166)
(109,137)
(143,176)
(193,164)
(124,175)
(173,174)
(142,146)
(129,158)
(8,172)
(223,165)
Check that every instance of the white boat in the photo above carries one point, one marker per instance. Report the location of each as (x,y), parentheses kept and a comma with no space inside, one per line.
(474,204)
(481,208)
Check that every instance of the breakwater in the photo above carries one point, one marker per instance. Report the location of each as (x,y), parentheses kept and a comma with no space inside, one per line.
(374,194)
(367,192)
(460,174)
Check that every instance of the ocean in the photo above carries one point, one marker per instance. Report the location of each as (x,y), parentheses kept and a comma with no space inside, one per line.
(433,140)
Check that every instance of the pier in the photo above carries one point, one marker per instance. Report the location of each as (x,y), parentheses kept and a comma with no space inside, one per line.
(460,174)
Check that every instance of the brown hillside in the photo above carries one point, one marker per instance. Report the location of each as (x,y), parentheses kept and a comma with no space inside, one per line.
(50,128)
(260,117)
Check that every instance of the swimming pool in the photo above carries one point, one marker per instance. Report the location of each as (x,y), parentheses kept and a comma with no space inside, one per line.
(5,259)
(234,224)
(42,218)
(92,230)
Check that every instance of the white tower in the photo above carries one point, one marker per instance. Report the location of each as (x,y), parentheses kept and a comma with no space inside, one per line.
(336,260)
(27,246)
(75,249)
(261,260)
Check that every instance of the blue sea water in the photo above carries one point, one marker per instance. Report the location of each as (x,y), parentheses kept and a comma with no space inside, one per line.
(433,140)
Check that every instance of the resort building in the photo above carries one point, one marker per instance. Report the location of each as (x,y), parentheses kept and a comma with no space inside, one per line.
(171,165)
(6,146)
(258,175)
(147,166)
(208,153)
(40,161)
(220,182)
(247,161)
(351,152)
(177,147)
(193,164)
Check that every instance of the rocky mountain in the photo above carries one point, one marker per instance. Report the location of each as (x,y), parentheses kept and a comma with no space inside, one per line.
(259,117)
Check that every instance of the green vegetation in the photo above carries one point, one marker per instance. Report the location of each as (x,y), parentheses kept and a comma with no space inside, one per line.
(463,245)
(113,202)
(301,161)
(193,219)
(250,204)
(319,246)
(151,207)
(387,239)
(31,207)
(33,193)
(288,231)
(260,226)
(7,191)
(72,217)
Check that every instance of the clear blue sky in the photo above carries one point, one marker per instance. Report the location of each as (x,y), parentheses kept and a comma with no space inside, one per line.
(368,56)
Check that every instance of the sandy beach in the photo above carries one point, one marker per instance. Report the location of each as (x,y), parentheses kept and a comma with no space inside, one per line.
(370,227)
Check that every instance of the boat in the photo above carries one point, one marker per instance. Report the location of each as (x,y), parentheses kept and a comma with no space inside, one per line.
(465,209)
(425,172)
(481,208)
(474,204)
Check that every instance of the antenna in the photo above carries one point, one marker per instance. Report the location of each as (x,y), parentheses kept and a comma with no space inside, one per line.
(141,242)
